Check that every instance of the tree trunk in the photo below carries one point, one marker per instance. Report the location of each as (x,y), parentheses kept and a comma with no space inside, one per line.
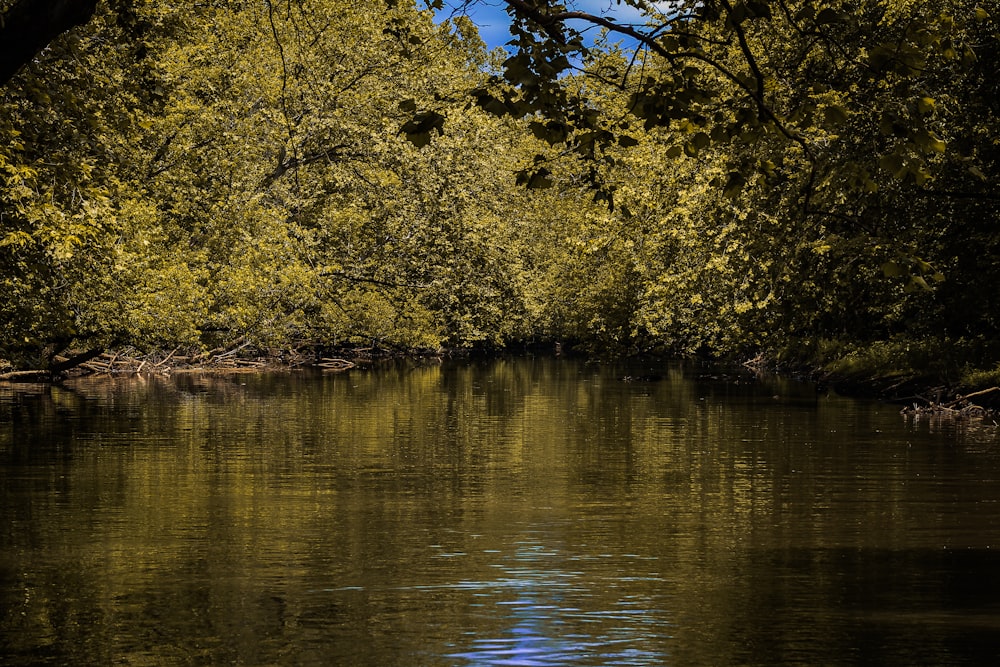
(28,26)
(26,376)
(53,372)
(73,362)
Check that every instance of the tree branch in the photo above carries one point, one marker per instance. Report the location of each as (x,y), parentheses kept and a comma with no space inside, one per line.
(331,155)
(548,21)
(75,361)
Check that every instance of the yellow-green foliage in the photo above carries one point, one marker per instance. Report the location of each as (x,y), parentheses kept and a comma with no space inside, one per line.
(323,172)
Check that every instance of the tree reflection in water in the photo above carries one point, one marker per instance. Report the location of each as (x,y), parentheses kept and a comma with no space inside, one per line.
(518,512)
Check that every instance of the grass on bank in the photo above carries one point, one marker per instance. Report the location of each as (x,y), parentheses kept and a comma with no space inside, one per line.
(903,364)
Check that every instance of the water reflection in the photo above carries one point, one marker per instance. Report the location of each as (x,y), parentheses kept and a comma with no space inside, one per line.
(506,512)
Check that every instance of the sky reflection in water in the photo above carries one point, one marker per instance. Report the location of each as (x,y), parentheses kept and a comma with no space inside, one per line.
(546,627)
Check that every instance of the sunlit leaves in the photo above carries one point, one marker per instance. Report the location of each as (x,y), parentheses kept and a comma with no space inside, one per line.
(270,143)
(341,171)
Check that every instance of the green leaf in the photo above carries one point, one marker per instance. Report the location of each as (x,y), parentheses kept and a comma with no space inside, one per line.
(892,270)
(492,105)
(828,15)
(697,143)
(977,172)
(919,174)
(926,104)
(517,70)
(552,132)
(418,129)
(419,139)
(760,8)
(537,179)
(737,15)
(917,284)
(734,184)
(929,142)
(835,115)
(893,163)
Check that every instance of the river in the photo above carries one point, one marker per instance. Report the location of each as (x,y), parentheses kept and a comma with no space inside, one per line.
(528,511)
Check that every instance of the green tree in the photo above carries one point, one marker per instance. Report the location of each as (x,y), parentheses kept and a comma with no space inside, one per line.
(70,223)
(814,170)
(212,174)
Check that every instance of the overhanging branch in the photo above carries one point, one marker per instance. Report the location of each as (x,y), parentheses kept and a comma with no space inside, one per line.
(551,22)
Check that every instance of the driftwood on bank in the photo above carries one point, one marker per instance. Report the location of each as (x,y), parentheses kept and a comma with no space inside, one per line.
(239,356)
(26,376)
(74,361)
(57,369)
(977,394)
(336,364)
(959,408)
(132,362)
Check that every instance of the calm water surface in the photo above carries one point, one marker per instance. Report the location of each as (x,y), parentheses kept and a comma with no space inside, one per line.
(512,512)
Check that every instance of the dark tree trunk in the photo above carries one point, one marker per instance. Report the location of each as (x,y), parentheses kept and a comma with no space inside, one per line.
(28,26)
(73,362)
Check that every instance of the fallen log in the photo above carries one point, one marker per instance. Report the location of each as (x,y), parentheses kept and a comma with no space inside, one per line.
(96,367)
(976,394)
(74,361)
(26,376)
(958,409)
(336,364)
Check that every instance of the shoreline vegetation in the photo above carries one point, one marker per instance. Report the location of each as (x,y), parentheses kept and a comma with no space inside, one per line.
(806,187)
(919,395)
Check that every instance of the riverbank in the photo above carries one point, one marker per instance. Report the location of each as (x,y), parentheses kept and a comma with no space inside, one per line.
(239,358)
(883,377)
(925,376)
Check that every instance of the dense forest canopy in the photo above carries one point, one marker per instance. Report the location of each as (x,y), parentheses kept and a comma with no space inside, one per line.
(802,179)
